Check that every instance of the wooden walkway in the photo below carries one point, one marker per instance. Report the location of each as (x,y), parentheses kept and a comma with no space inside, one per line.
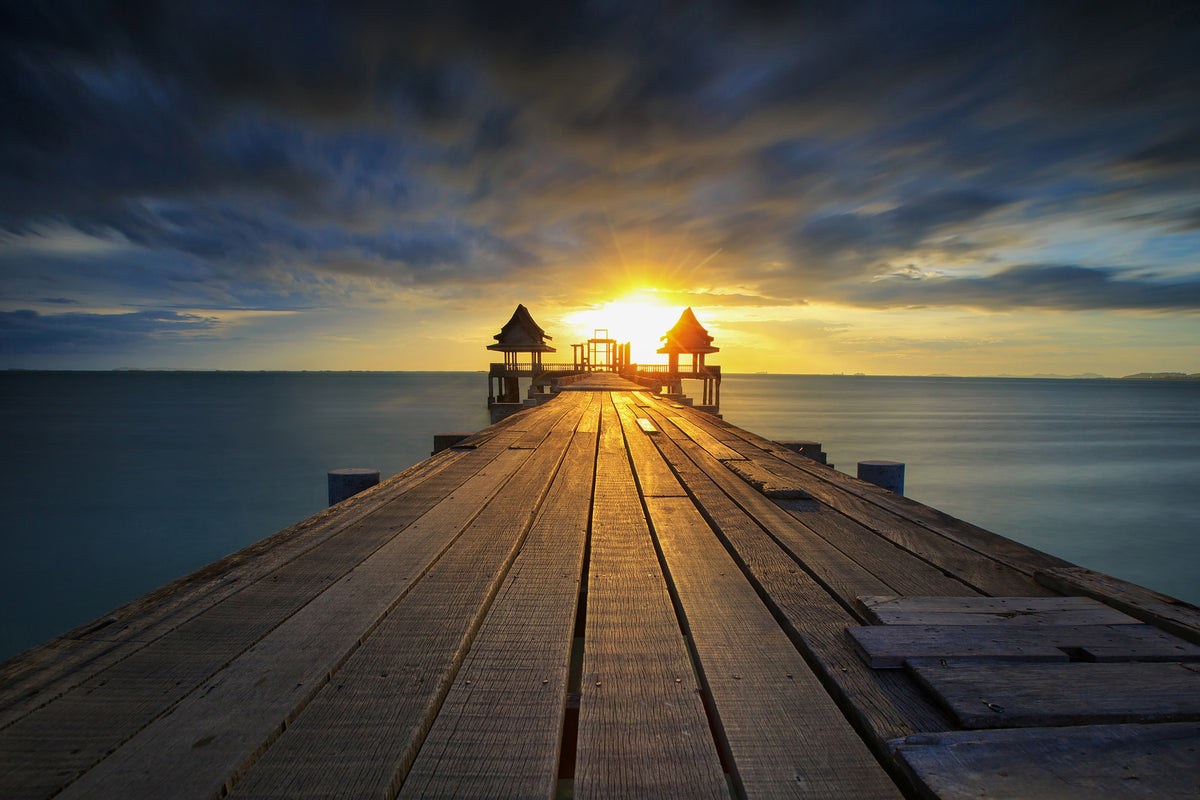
(614,596)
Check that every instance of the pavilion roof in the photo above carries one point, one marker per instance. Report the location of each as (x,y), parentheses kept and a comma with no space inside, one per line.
(521,335)
(688,336)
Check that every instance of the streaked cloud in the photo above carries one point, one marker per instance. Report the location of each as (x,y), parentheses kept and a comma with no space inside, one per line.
(454,158)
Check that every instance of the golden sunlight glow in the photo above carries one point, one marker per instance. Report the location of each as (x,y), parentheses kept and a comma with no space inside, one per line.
(636,319)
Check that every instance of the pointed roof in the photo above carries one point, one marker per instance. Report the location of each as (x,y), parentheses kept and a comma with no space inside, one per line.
(521,335)
(688,336)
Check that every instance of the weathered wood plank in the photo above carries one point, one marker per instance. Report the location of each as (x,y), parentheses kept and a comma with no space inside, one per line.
(891,610)
(1012,553)
(240,709)
(704,439)
(816,612)
(655,478)
(761,688)
(1176,616)
(924,532)
(642,731)
(1120,762)
(70,735)
(498,731)
(362,730)
(888,646)
(903,571)
(41,674)
(1025,695)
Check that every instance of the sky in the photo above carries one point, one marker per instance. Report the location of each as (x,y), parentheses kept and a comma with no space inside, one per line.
(897,187)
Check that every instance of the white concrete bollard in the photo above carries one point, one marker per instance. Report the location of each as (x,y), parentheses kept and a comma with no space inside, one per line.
(884,474)
(345,483)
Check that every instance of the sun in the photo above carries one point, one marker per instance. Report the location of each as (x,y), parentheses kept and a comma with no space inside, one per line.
(633,319)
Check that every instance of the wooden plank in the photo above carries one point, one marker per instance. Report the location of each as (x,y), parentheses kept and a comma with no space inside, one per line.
(761,688)
(198,748)
(1009,552)
(927,533)
(1119,762)
(888,646)
(817,608)
(646,425)
(38,676)
(643,731)
(766,482)
(498,731)
(891,610)
(995,695)
(655,479)
(837,570)
(704,439)
(362,730)
(1176,616)
(71,734)
(903,571)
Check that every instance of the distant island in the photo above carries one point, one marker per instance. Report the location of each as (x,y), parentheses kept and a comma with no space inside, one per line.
(1163,376)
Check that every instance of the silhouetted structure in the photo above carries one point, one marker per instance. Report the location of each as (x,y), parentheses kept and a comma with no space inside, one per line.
(519,335)
(690,337)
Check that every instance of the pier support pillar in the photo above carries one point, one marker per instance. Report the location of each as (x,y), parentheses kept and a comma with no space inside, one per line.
(345,483)
(442,441)
(884,474)
(805,447)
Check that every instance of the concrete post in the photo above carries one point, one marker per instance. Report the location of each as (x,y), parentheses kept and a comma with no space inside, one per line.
(884,474)
(441,441)
(345,483)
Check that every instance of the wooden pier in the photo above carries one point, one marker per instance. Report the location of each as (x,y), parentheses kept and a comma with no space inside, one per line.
(612,595)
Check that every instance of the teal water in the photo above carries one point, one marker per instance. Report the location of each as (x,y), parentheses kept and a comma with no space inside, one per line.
(115,483)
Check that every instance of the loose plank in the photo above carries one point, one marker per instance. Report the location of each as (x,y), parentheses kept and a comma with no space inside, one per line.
(1176,616)
(762,690)
(1028,695)
(642,727)
(1125,762)
(888,646)
(891,610)
(498,731)
(816,614)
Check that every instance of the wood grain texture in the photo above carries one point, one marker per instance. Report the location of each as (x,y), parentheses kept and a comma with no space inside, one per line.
(762,690)
(814,614)
(1014,554)
(360,734)
(1121,762)
(1032,695)
(243,706)
(1176,616)
(33,678)
(643,732)
(71,734)
(1006,611)
(888,646)
(498,732)
(913,530)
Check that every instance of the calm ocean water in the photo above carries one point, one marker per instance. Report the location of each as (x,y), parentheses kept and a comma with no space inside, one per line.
(115,483)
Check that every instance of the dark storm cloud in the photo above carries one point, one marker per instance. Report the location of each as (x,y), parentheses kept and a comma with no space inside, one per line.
(28,332)
(274,146)
(1039,286)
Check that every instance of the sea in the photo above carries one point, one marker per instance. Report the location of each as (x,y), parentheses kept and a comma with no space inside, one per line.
(114,483)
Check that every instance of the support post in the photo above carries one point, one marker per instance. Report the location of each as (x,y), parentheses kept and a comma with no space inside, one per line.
(345,483)
(884,474)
